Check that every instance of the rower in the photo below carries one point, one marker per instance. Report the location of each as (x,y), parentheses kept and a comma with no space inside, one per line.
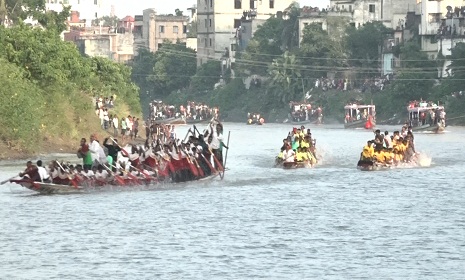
(44,176)
(31,172)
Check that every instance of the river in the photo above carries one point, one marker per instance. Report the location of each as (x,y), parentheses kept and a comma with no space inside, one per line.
(330,222)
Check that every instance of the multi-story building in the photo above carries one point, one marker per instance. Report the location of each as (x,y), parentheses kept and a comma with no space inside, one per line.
(389,12)
(88,9)
(115,43)
(218,21)
(151,30)
(442,26)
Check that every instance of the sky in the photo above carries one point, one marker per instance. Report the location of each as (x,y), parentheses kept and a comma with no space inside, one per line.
(135,7)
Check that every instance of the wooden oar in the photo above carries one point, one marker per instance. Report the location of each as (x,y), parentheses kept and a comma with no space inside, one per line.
(121,148)
(209,164)
(7,180)
(226,156)
(71,180)
(131,175)
(199,168)
(117,177)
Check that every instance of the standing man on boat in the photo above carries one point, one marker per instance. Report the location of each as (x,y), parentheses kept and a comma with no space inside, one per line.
(113,149)
(84,153)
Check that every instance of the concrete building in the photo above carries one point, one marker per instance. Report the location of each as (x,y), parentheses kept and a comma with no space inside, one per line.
(151,30)
(442,26)
(113,43)
(88,9)
(389,12)
(218,20)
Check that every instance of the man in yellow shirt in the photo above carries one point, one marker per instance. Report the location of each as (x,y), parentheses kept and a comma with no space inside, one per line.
(368,151)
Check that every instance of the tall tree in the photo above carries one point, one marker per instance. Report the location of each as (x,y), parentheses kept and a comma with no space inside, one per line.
(286,79)
(364,45)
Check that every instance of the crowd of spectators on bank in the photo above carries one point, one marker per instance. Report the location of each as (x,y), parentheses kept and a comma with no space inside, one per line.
(374,84)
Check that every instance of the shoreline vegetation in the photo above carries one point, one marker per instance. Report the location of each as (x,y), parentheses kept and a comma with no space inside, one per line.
(47,86)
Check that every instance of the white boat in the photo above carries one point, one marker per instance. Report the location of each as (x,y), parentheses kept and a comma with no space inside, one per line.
(360,116)
(427,118)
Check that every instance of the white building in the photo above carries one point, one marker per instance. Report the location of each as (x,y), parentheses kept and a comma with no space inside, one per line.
(389,12)
(218,20)
(88,9)
(442,26)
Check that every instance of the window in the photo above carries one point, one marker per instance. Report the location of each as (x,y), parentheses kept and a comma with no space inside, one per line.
(95,2)
(252,4)
(205,42)
(206,23)
(210,42)
(210,22)
(271,4)
(393,63)
(175,29)
(162,29)
(184,29)
(211,3)
(237,23)
(160,46)
(237,4)
(350,8)
(233,47)
(371,8)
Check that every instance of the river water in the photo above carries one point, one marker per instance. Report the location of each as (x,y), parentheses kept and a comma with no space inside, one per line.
(330,222)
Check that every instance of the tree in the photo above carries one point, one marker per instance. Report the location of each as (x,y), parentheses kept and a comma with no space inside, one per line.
(290,28)
(178,12)
(321,53)
(208,74)
(416,77)
(192,29)
(106,21)
(287,82)
(165,71)
(262,49)
(364,46)
(20,10)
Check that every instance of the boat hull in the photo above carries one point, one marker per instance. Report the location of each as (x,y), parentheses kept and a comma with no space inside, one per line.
(359,124)
(171,121)
(436,128)
(293,165)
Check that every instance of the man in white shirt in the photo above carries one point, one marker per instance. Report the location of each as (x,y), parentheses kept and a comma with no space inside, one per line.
(289,154)
(44,176)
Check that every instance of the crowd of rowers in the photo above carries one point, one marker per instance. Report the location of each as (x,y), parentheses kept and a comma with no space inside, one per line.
(298,147)
(199,155)
(390,149)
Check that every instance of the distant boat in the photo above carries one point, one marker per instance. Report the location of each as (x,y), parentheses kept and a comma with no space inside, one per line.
(427,118)
(360,116)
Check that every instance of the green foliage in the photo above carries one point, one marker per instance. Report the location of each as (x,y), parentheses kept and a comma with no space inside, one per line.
(167,70)
(44,85)
(263,48)
(286,78)
(115,79)
(106,21)
(208,74)
(22,108)
(320,53)
(364,46)
(44,56)
(416,78)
